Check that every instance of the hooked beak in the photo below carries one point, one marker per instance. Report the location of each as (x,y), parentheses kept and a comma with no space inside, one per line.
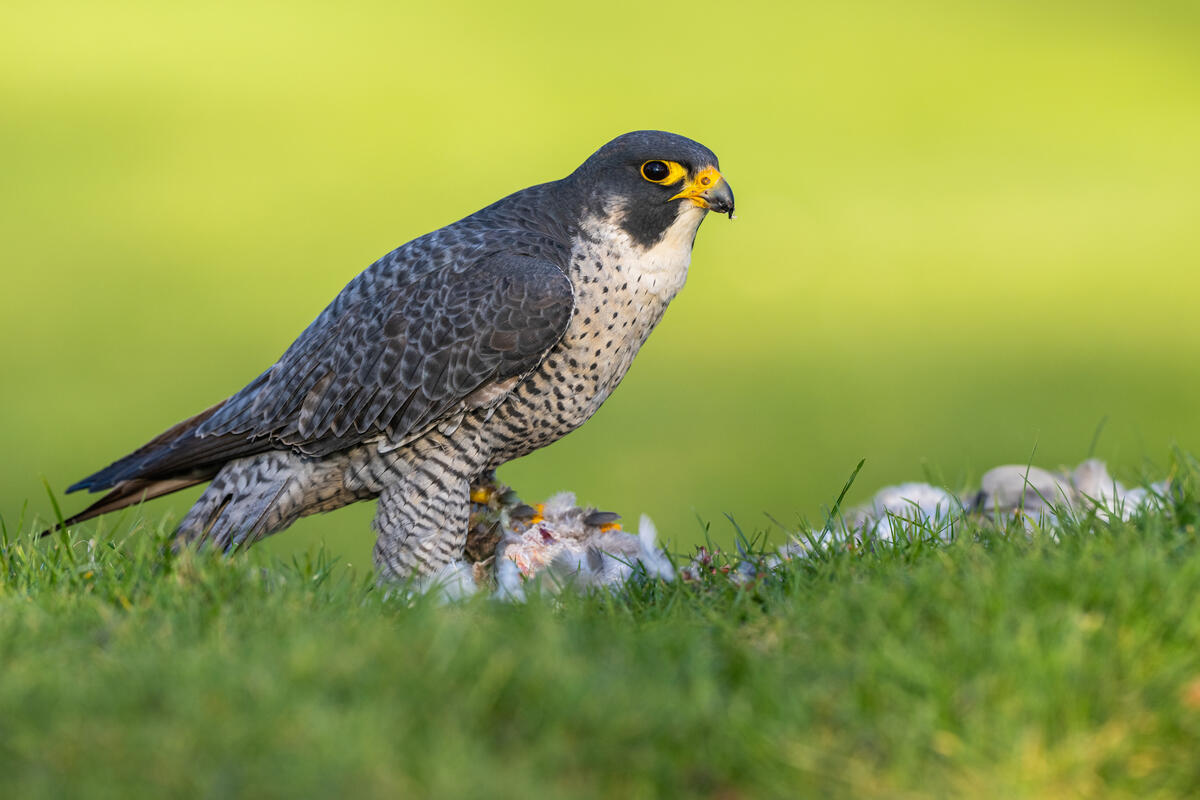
(709,189)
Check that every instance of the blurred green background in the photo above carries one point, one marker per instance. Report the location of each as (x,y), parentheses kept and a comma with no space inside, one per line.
(965,230)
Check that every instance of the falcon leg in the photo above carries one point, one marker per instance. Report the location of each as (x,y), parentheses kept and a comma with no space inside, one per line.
(422,519)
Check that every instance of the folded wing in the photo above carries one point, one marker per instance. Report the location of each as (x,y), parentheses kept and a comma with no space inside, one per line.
(382,360)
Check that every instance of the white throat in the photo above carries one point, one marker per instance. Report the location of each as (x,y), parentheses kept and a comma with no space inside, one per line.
(660,270)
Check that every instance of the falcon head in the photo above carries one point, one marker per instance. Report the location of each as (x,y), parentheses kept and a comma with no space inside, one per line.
(651,180)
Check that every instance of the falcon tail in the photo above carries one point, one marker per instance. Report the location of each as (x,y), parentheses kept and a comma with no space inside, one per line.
(144,462)
(169,462)
(128,493)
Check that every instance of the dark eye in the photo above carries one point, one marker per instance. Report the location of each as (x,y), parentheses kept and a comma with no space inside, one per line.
(655,171)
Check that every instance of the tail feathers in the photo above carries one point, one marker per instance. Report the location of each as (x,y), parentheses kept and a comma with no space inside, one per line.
(128,493)
(170,449)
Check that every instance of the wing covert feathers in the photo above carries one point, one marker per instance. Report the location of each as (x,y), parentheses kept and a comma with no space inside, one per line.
(393,355)
(396,367)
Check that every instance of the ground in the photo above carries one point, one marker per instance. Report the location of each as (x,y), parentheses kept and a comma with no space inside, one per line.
(997,665)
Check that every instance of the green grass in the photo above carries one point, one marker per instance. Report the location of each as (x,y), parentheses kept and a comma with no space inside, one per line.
(998,665)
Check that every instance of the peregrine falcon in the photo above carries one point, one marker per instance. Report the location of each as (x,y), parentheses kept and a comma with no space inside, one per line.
(458,351)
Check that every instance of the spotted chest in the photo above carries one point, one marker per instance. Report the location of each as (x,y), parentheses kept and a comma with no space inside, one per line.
(621,292)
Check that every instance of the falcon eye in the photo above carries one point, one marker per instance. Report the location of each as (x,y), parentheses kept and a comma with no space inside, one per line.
(655,171)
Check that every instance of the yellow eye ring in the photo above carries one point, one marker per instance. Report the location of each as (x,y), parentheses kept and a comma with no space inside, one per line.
(661,172)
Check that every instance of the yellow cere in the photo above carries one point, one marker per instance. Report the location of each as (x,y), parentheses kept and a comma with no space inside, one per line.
(702,182)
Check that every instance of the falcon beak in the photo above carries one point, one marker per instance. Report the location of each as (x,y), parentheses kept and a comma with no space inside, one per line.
(709,189)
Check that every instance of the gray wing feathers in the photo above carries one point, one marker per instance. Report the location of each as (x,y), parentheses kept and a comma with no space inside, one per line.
(401,346)
(396,359)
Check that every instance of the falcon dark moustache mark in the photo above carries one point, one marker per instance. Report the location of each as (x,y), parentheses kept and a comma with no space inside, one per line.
(458,351)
